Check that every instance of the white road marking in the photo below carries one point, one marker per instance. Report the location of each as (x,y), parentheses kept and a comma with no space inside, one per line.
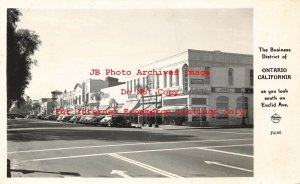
(227,152)
(230,166)
(224,146)
(46,128)
(213,131)
(125,152)
(120,173)
(145,166)
(129,144)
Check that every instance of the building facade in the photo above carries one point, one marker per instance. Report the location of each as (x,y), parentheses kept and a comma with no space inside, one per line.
(213,88)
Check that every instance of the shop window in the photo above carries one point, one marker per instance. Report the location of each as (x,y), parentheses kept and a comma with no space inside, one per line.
(242,103)
(222,105)
(148,82)
(198,101)
(230,76)
(138,83)
(199,117)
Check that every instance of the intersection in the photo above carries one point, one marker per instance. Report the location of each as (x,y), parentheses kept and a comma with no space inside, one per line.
(40,148)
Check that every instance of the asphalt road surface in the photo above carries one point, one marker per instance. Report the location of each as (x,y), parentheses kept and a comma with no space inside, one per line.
(40,148)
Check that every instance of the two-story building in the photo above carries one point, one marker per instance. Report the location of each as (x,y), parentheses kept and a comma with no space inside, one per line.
(210,88)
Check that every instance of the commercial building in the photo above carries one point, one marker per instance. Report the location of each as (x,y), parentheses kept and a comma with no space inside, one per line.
(213,88)
(195,88)
(84,94)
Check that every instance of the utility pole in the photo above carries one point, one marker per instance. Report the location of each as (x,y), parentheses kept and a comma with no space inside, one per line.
(156,125)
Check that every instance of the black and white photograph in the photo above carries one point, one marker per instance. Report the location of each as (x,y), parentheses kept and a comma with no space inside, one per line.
(130,93)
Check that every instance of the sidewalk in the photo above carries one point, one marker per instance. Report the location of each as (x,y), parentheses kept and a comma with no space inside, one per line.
(178,127)
(172,127)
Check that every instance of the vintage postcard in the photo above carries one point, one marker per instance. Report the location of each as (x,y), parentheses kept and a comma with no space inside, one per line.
(156,92)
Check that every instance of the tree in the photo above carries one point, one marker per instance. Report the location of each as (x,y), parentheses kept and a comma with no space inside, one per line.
(21,46)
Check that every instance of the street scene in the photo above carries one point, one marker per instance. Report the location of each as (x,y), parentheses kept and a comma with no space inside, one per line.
(130,93)
(42,148)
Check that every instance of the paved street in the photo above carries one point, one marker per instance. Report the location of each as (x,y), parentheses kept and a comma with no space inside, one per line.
(39,148)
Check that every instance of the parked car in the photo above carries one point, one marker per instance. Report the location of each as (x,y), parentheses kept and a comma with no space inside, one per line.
(82,118)
(73,118)
(90,119)
(30,116)
(59,118)
(106,120)
(97,120)
(66,118)
(47,117)
(54,117)
(119,121)
(78,117)
(20,116)
(51,117)
(43,117)
(39,116)
(11,116)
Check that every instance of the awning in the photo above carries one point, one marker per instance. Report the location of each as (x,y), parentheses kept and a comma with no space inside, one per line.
(151,107)
(103,107)
(141,107)
(172,108)
(129,105)
(125,106)
(133,105)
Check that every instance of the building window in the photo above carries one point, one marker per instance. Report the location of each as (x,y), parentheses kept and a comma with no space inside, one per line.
(251,77)
(207,77)
(152,82)
(127,85)
(134,84)
(230,76)
(157,82)
(242,103)
(173,102)
(165,81)
(144,83)
(139,83)
(170,80)
(177,77)
(198,101)
(148,82)
(222,105)
(130,85)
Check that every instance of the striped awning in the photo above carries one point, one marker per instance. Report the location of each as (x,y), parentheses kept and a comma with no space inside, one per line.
(172,108)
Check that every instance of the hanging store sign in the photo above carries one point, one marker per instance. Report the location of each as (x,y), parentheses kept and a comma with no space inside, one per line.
(231,90)
(197,81)
(199,91)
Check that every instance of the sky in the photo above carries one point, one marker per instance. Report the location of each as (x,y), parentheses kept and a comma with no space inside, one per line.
(76,41)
